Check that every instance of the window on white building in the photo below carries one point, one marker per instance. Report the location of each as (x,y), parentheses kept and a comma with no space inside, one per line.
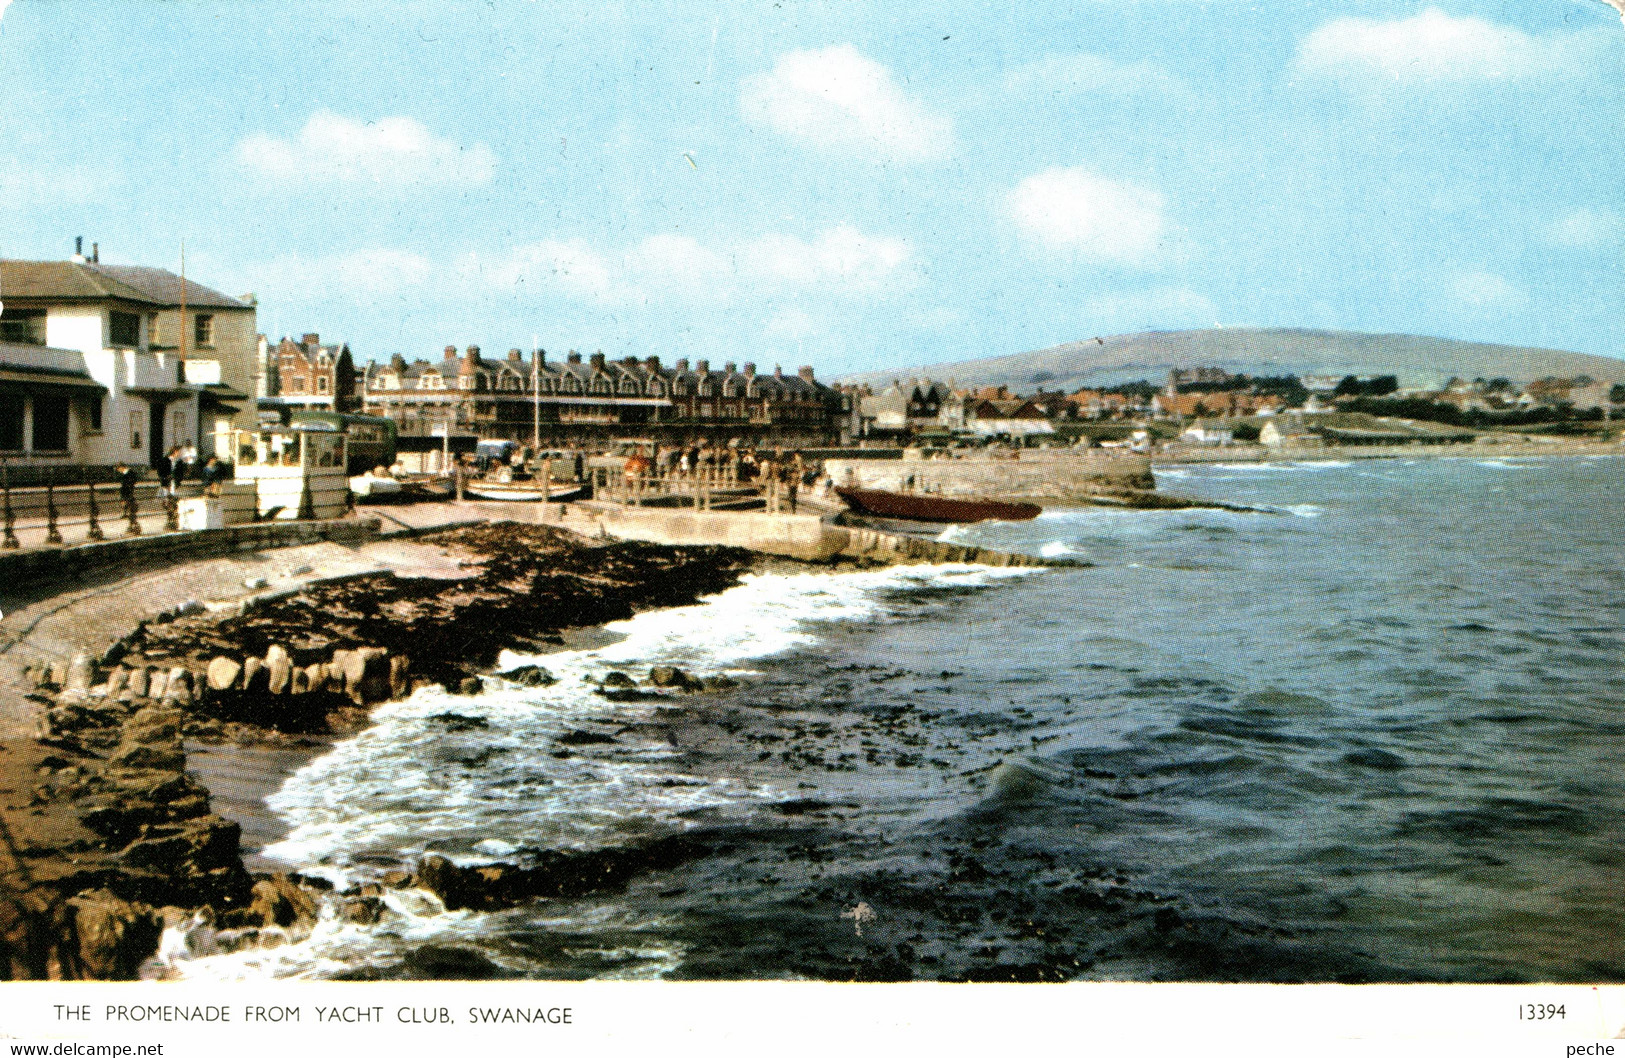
(11,422)
(123,330)
(135,430)
(203,331)
(23,326)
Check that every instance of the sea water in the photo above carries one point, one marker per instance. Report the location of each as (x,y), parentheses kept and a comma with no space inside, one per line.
(1373,732)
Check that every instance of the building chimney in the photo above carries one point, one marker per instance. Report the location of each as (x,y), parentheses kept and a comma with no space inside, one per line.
(806,373)
(312,342)
(778,372)
(95,253)
(573,357)
(515,356)
(652,363)
(451,352)
(597,361)
(702,367)
(470,362)
(750,369)
(728,368)
(79,249)
(397,364)
(540,356)
(630,361)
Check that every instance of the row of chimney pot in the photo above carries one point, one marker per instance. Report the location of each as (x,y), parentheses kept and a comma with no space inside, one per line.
(470,360)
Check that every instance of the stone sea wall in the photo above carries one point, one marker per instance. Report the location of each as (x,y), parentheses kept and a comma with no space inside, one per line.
(1030,474)
(44,566)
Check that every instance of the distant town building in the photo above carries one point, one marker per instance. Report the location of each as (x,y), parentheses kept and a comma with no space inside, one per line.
(1208,434)
(308,374)
(1289,430)
(903,408)
(98,364)
(596,398)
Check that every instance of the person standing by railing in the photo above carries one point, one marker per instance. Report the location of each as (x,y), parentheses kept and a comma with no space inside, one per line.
(165,469)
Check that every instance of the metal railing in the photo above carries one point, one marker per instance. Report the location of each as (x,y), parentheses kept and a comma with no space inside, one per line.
(72,499)
(703,488)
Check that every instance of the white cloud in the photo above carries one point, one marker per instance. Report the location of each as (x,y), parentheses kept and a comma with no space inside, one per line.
(1436,47)
(376,272)
(391,151)
(1486,290)
(839,100)
(840,260)
(841,256)
(3,4)
(1587,229)
(1094,218)
(1084,74)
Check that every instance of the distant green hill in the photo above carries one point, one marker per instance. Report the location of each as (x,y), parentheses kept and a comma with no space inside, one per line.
(1416,360)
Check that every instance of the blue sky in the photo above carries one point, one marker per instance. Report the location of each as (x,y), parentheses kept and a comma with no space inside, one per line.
(849,184)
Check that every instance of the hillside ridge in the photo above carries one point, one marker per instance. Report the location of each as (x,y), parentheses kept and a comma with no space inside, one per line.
(1418,360)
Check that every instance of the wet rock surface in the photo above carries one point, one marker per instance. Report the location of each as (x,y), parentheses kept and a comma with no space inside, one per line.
(106,836)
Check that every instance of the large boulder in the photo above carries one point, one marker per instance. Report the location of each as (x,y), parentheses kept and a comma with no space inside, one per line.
(367,675)
(278,901)
(166,756)
(279,669)
(254,676)
(400,676)
(82,675)
(672,676)
(115,936)
(529,676)
(178,687)
(223,673)
(154,726)
(140,681)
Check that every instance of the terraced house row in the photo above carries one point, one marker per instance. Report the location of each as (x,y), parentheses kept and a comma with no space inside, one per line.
(577,400)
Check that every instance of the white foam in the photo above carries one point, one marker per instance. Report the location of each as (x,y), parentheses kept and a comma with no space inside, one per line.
(498,779)
(1057,549)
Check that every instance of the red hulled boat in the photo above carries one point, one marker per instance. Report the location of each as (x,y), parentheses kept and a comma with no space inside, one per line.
(935,508)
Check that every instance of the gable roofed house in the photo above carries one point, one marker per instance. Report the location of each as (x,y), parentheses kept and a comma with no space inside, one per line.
(596,396)
(164,379)
(312,375)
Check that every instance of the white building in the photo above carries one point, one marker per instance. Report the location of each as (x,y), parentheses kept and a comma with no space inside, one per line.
(98,365)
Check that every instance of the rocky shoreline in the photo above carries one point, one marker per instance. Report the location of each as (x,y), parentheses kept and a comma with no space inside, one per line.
(110,840)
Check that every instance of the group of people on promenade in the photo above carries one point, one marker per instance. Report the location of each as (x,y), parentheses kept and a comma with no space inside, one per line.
(172,467)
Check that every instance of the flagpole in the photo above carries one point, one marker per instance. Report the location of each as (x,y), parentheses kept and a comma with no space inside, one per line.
(535,396)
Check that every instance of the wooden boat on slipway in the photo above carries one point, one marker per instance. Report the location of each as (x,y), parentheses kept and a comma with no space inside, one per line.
(521,491)
(883,504)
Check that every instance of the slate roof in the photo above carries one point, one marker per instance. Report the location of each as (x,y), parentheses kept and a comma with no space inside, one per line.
(73,281)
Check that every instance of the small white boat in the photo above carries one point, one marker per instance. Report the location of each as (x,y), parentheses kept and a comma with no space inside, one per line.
(521,491)
(372,487)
